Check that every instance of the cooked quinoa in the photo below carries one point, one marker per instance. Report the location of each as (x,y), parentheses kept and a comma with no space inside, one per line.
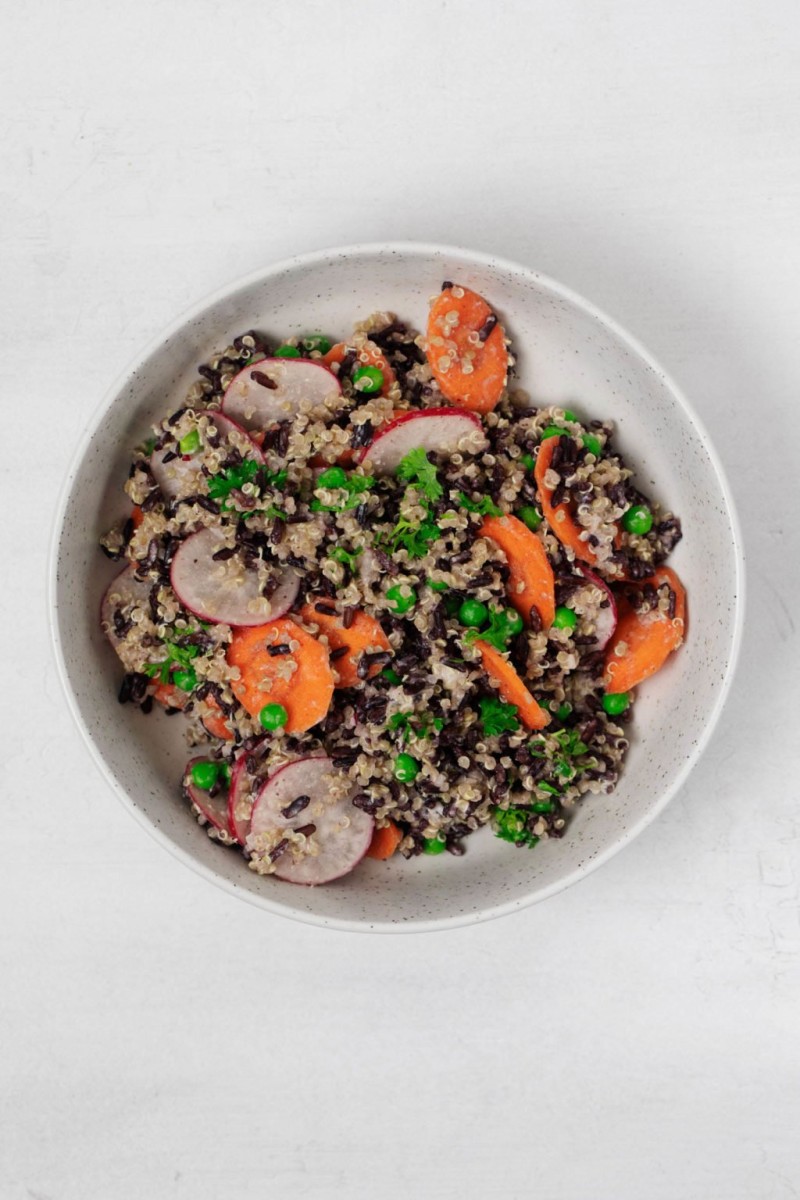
(409,558)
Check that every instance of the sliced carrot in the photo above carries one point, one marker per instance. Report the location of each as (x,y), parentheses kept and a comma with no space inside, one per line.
(363,634)
(302,681)
(217,724)
(370,356)
(469,364)
(170,696)
(642,643)
(385,841)
(511,687)
(531,583)
(137,516)
(558,516)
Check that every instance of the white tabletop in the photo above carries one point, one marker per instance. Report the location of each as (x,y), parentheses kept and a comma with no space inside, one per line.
(637,1036)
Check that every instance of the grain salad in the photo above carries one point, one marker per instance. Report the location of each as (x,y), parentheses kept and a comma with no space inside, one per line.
(394,600)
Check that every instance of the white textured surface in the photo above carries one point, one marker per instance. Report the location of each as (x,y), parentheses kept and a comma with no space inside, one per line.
(636,1036)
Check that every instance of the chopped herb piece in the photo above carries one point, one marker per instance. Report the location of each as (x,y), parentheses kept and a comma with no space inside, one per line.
(190,443)
(340,555)
(485,506)
(417,470)
(497,717)
(337,480)
(511,825)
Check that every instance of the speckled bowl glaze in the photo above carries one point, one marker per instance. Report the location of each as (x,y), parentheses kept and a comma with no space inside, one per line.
(569,354)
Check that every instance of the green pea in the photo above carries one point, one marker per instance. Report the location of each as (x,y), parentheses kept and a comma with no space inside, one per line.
(531,516)
(592,444)
(473,614)
(368,380)
(391,676)
(615,703)
(638,519)
(190,443)
(273,716)
(287,352)
(543,806)
(334,477)
(513,622)
(317,341)
(205,775)
(406,768)
(437,586)
(185,680)
(565,618)
(402,603)
(552,431)
(433,845)
(562,711)
(225,773)
(528,461)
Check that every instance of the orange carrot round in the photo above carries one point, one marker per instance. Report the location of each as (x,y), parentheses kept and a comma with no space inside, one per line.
(217,724)
(385,841)
(642,643)
(558,516)
(511,687)
(170,696)
(370,356)
(137,516)
(302,680)
(466,351)
(531,583)
(362,635)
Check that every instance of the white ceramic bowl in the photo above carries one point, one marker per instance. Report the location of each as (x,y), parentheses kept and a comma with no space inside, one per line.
(570,354)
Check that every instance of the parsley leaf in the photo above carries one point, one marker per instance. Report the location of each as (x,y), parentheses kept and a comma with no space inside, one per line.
(414,725)
(353,486)
(511,824)
(498,633)
(221,485)
(497,717)
(416,469)
(415,538)
(485,506)
(348,558)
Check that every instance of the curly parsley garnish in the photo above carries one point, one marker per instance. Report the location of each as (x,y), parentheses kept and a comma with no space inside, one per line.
(485,506)
(497,717)
(346,557)
(416,469)
(233,479)
(511,824)
(335,479)
(414,725)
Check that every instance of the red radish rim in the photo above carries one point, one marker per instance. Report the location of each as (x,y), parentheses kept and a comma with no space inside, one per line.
(415,415)
(194,793)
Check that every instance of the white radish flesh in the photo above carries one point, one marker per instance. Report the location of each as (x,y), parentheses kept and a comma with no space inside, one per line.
(439,430)
(183,476)
(124,593)
(213,808)
(229,591)
(341,834)
(606,620)
(291,383)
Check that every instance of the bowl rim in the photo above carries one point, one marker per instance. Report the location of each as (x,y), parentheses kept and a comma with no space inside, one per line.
(373,250)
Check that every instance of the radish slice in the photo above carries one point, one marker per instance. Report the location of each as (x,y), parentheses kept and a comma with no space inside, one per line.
(227,592)
(606,622)
(257,406)
(241,797)
(213,808)
(124,593)
(439,430)
(342,833)
(182,476)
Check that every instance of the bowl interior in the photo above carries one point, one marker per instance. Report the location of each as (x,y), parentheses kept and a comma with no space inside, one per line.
(567,354)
